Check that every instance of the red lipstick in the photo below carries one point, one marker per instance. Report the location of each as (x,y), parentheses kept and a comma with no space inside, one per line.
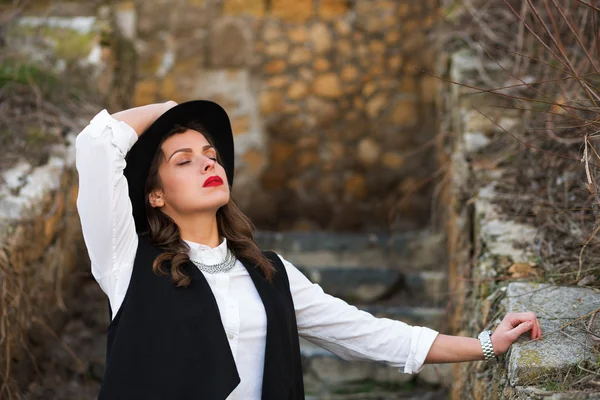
(213,181)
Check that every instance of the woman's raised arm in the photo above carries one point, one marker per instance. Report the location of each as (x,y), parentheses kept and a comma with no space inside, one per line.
(103,200)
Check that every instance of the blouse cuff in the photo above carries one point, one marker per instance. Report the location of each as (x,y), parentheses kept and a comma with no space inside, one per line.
(123,135)
(420,343)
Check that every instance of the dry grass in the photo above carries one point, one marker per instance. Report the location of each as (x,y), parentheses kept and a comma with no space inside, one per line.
(548,55)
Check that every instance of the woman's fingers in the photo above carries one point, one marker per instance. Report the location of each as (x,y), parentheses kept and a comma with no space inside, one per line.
(516,319)
(518,330)
(536,330)
(514,325)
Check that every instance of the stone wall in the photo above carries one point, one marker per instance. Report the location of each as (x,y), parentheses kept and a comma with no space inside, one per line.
(40,256)
(493,264)
(333,118)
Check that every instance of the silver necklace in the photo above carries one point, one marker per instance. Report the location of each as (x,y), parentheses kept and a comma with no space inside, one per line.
(224,266)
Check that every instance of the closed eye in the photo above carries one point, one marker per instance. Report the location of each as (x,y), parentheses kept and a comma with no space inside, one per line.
(184,162)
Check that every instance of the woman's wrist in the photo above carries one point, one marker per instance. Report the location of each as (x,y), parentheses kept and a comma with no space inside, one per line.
(447,348)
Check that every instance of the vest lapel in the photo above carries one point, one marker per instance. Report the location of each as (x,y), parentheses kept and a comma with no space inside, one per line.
(277,374)
(227,356)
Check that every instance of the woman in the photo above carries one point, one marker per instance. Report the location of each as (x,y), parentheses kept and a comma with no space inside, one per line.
(197,310)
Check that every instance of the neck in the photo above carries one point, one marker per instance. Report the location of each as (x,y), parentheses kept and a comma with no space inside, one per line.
(200,229)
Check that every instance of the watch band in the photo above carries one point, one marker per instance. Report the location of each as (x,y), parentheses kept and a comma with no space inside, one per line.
(486,345)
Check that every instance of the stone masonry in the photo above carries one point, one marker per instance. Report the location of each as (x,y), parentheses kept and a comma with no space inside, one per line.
(333,117)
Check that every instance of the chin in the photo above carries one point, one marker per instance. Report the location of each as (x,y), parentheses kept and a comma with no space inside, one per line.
(218,200)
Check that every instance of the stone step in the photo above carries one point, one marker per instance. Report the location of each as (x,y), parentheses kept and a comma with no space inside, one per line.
(326,373)
(332,241)
(420,250)
(367,285)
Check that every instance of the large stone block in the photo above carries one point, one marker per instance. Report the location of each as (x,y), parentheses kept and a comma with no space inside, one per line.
(368,151)
(300,55)
(277,49)
(230,43)
(271,102)
(333,9)
(320,37)
(564,314)
(501,236)
(243,7)
(292,10)
(327,85)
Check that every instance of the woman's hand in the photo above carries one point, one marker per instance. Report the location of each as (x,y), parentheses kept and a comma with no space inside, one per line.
(512,326)
(140,118)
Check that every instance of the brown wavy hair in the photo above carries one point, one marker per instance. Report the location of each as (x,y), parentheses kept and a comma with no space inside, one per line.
(164,233)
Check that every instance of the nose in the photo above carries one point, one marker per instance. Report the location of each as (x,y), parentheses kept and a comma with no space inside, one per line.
(209,164)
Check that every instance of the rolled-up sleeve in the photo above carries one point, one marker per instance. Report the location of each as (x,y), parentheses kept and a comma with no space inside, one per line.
(353,334)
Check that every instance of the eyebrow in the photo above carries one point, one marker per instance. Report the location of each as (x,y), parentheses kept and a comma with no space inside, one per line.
(189,150)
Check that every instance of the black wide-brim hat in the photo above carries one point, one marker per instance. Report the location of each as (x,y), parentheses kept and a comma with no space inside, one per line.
(208,114)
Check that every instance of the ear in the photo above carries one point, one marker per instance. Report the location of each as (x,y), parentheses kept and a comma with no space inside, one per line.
(156,198)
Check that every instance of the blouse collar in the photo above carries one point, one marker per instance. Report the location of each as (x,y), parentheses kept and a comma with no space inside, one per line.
(207,254)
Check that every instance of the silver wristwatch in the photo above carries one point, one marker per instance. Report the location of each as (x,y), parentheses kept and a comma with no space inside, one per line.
(486,344)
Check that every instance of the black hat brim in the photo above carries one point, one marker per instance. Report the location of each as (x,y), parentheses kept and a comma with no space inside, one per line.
(207,113)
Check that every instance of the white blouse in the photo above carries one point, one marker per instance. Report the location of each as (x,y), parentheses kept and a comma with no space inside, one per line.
(109,232)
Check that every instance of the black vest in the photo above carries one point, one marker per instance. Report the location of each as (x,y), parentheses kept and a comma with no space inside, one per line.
(168,343)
